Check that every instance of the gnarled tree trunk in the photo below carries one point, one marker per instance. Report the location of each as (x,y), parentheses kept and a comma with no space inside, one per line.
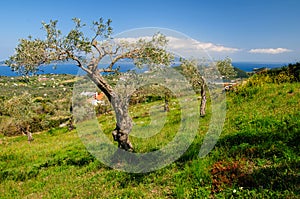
(120,104)
(124,122)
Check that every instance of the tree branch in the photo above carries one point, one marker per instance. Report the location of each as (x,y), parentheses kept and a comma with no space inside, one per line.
(130,55)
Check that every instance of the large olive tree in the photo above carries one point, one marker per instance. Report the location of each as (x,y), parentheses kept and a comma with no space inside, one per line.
(87,52)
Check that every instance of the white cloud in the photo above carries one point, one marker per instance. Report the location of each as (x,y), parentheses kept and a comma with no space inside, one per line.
(132,39)
(186,44)
(269,50)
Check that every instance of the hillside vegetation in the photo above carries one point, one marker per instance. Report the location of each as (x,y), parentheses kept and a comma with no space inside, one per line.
(43,102)
(256,156)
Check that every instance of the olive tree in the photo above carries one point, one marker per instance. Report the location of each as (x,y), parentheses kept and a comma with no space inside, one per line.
(190,70)
(21,114)
(196,71)
(225,68)
(87,52)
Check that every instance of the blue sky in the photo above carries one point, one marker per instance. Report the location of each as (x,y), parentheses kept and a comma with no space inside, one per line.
(256,31)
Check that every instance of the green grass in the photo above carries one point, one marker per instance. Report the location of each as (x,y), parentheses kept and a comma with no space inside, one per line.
(257,155)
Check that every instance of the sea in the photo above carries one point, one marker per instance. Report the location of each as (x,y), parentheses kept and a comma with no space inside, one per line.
(72,69)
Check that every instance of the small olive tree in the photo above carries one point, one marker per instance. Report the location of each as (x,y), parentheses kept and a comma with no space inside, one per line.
(225,68)
(197,70)
(87,52)
(20,112)
(190,70)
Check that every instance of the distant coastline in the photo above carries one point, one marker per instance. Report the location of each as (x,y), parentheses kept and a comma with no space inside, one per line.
(249,66)
(73,70)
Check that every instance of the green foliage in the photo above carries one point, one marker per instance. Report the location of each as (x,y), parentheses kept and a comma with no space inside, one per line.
(76,46)
(151,52)
(196,70)
(32,53)
(290,73)
(19,114)
(225,68)
(294,69)
(189,68)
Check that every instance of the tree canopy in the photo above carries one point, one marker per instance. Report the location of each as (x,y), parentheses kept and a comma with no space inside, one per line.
(86,51)
(225,68)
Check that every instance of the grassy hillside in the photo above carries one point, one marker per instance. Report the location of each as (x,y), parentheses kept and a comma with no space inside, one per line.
(257,156)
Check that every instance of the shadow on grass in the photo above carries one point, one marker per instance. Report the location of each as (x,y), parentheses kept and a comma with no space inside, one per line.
(258,141)
(280,178)
(276,147)
(67,158)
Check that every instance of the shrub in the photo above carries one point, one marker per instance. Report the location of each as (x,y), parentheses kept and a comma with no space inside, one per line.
(284,77)
(8,127)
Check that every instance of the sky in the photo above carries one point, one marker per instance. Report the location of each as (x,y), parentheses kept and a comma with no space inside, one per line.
(248,31)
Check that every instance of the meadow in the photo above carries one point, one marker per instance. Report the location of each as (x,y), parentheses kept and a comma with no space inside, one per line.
(256,156)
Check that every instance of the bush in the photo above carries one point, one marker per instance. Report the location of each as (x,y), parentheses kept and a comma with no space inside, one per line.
(8,127)
(283,77)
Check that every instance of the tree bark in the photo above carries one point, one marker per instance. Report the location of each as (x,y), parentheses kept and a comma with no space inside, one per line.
(203,100)
(101,84)
(124,122)
(166,106)
(26,131)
